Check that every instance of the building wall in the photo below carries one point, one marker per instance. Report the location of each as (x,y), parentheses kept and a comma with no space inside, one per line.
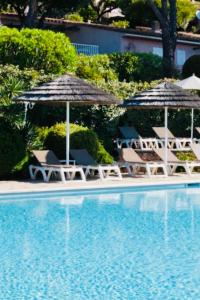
(115,41)
(183,51)
(108,41)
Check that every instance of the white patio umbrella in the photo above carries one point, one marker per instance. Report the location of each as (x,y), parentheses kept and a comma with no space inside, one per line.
(65,90)
(190,83)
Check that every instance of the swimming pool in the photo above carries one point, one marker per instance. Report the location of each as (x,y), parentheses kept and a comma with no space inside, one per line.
(120,244)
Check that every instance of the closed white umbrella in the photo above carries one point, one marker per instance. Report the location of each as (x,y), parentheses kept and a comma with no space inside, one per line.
(190,83)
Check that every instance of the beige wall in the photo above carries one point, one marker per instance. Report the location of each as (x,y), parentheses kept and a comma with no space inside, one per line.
(114,41)
(143,45)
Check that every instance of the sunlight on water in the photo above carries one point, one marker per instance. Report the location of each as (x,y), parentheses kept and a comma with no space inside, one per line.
(122,245)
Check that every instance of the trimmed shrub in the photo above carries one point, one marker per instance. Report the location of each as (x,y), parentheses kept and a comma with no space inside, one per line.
(38,49)
(137,66)
(96,68)
(120,24)
(75,17)
(80,138)
(191,66)
(12,149)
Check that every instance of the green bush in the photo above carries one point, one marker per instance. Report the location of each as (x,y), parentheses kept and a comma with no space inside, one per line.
(191,66)
(38,49)
(29,76)
(186,156)
(137,66)
(74,17)
(120,24)
(12,149)
(96,68)
(80,138)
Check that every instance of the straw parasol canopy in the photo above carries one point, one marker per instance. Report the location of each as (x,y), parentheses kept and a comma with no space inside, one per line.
(67,88)
(64,90)
(163,95)
(190,83)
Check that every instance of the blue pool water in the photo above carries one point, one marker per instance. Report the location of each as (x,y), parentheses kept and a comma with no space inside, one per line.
(123,244)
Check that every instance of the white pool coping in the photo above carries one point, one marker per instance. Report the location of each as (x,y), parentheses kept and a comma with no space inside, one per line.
(11,187)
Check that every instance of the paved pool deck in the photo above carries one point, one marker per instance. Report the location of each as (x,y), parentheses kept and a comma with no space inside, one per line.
(35,186)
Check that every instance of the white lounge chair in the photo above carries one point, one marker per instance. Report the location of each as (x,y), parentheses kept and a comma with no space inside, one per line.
(131,160)
(105,171)
(173,162)
(132,139)
(174,143)
(49,164)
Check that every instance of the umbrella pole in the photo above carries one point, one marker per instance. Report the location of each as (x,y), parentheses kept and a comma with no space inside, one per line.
(166,135)
(192,122)
(67,132)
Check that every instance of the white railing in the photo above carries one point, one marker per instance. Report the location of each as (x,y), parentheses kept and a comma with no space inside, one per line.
(86,49)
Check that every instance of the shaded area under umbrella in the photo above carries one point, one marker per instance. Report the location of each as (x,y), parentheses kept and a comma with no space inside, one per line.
(190,83)
(64,90)
(165,95)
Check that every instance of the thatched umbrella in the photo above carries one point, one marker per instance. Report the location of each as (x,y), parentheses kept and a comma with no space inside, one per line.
(64,90)
(190,83)
(165,95)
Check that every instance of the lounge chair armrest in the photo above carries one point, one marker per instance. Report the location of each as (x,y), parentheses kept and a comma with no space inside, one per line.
(71,161)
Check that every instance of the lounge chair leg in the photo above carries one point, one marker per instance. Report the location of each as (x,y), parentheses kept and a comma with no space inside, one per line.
(83,178)
(87,172)
(31,172)
(148,169)
(187,169)
(172,169)
(101,173)
(62,175)
(118,172)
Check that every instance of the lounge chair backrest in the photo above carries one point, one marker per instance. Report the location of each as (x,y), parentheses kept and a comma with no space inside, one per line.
(196,149)
(171,157)
(129,155)
(129,132)
(198,129)
(160,131)
(46,157)
(82,157)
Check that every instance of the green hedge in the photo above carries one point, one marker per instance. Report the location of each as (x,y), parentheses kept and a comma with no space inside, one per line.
(38,49)
(191,66)
(96,68)
(137,66)
(12,149)
(80,138)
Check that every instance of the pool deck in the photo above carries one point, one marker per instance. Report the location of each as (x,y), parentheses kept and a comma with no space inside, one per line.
(35,186)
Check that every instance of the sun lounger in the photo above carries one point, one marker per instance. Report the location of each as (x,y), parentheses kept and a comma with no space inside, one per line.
(49,164)
(132,139)
(174,143)
(173,162)
(131,160)
(196,150)
(83,158)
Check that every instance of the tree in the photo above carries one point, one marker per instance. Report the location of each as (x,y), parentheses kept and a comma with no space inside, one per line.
(166,14)
(29,10)
(101,7)
(139,13)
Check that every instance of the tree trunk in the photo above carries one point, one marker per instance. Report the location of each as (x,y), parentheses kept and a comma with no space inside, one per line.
(32,14)
(168,53)
(167,17)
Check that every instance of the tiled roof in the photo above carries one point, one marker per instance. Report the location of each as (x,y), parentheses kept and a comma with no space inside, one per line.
(12,19)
